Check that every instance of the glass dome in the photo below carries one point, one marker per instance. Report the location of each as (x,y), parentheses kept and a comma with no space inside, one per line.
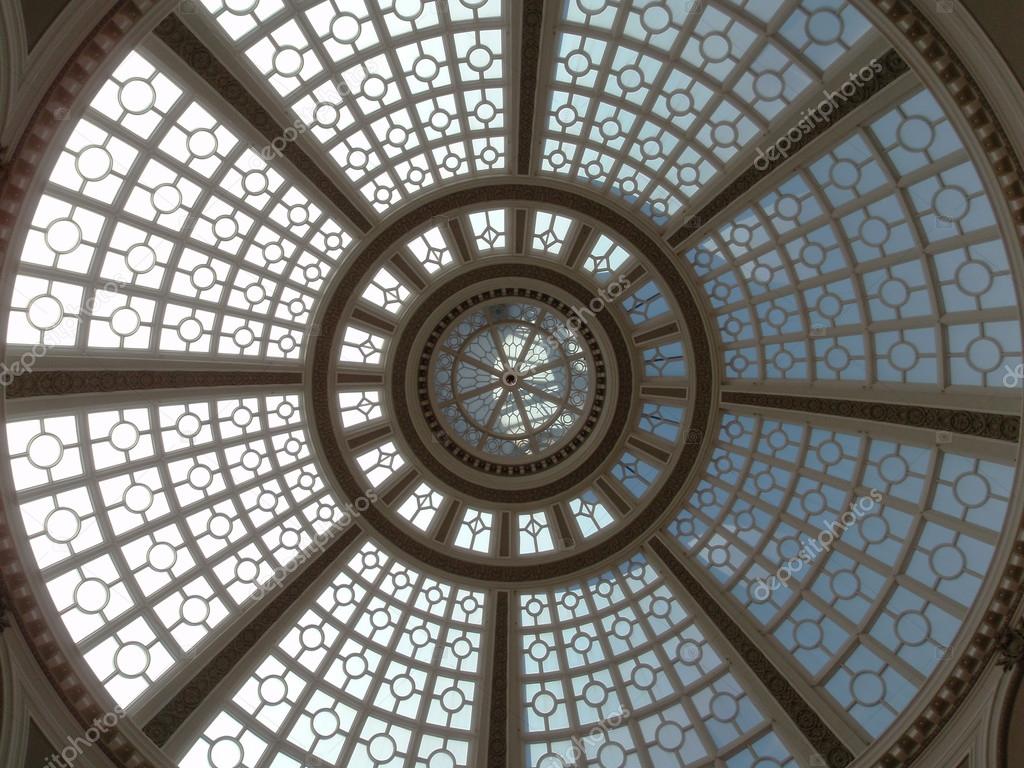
(477,383)
(511,379)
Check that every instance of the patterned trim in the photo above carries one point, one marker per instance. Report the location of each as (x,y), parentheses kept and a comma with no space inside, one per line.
(529,74)
(497,732)
(50,383)
(477,462)
(995,426)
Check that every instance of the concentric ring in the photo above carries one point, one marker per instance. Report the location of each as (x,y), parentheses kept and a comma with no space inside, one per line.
(477,486)
(338,458)
(507,383)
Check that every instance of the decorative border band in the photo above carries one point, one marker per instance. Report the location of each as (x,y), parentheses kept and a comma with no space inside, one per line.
(477,462)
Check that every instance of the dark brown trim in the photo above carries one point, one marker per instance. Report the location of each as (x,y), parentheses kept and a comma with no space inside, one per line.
(646,446)
(173,33)
(162,726)
(409,270)
(396,488)
(46,383)
(564,528)
(578,244)
(354,379)
(505,534)
(459,242)
(996,426)
(612,494)
(373,435)
(447,520)
(666,329)
(892,65)
(498,730)
(519,231)
(803,715)
(529,75)
(373,320)
(667,393)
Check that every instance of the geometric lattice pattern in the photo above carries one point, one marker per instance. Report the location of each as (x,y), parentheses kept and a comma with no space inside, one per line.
(161,230)
(383,669)
(152,524)
(856,555)
(651,100)
(402,95)
(617,672)
(878,262)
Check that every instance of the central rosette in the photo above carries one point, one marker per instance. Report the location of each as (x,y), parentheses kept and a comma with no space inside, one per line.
(511,379)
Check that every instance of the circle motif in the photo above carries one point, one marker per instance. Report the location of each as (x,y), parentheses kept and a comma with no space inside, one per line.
(94,163)
(510,381)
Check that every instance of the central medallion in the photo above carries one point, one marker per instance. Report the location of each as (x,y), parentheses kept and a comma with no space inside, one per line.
(510,379)
(513,381)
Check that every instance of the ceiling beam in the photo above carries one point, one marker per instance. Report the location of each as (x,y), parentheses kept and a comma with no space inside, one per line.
(165,723)
(498,728)
(529,75)
(803,715)
(173,33)
(995,426)
(893,66)
(78,382)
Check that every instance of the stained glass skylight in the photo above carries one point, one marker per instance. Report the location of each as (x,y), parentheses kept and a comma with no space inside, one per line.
(401,95)
(497,517)
(161,230)
(511,379)
(651,101)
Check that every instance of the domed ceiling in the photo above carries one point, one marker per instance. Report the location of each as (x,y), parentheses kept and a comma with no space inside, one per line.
(475,383)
